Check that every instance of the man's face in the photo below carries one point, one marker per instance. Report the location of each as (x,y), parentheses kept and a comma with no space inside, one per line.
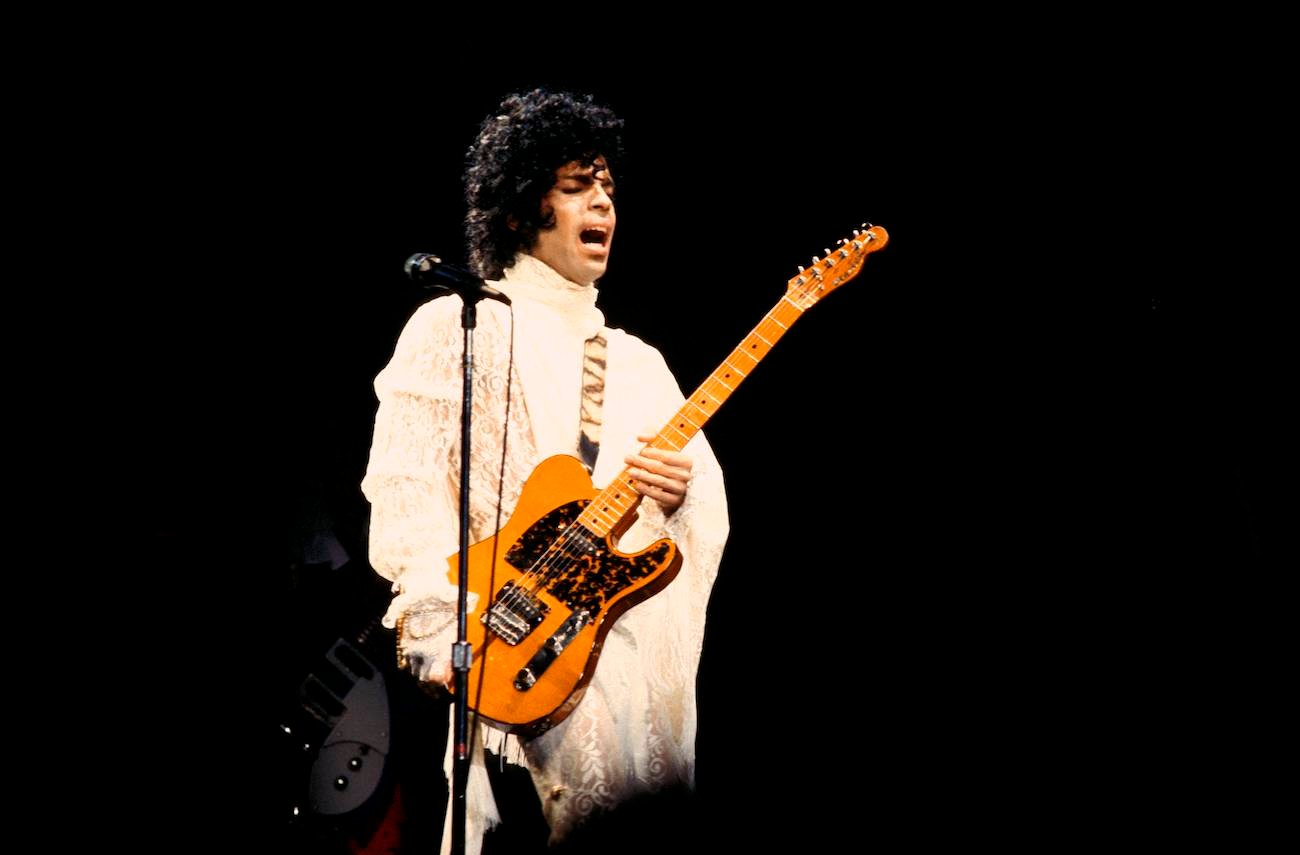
(582,202)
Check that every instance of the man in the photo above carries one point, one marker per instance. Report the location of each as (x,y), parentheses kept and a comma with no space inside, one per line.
(541,223)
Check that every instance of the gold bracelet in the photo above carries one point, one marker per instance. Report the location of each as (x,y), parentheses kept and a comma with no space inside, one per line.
(402,661)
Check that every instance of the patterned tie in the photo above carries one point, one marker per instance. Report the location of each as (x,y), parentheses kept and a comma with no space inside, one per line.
(593,397)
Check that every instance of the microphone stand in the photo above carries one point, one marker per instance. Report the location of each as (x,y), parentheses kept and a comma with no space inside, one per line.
(460,652)
(429,270)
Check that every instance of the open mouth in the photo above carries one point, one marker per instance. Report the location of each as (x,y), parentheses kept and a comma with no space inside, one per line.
(595,237)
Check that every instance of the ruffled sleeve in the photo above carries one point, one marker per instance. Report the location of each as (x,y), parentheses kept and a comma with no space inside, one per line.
(699,527)
(412,480)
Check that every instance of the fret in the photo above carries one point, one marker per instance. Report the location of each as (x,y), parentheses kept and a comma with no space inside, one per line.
(684,436)
(600,510)
(701,401)
(742,374)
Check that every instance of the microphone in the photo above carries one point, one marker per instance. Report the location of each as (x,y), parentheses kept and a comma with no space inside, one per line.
(430,271)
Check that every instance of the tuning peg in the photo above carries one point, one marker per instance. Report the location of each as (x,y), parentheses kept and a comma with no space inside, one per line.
(814,261)
(856,232)
(801,268)
(826,252)
(840,241)
(866,225)
(844,253)
(857,245)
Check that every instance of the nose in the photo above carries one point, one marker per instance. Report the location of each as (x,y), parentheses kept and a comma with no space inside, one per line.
(600,200)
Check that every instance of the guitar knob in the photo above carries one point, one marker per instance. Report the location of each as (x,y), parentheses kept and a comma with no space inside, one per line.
(355,764)
(341,783)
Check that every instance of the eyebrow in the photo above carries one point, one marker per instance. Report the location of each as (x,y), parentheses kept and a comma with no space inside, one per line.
(588,174)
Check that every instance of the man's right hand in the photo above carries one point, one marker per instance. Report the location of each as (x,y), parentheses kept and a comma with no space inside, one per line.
(424,640)
(426,669)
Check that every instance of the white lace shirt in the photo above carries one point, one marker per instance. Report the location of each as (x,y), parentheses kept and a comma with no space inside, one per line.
(634,730)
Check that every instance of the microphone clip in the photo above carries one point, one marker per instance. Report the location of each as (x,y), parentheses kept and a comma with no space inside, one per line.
(430,271)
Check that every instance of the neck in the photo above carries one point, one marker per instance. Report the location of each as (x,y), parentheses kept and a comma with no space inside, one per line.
(540,287)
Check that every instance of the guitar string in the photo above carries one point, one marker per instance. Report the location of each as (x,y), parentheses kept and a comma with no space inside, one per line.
(551,565)
(765,325)
(546,568)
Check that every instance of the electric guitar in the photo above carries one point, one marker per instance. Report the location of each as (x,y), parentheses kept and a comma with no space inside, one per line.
(557,584)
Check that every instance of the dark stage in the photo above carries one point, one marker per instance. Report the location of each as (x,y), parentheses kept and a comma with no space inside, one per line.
(984,498)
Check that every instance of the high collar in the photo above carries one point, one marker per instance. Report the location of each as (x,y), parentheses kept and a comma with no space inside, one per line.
(542,290)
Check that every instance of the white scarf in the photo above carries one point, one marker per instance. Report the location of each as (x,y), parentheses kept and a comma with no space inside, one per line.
(554,318)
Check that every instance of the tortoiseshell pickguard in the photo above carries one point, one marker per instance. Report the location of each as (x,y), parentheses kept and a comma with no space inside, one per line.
(581,572)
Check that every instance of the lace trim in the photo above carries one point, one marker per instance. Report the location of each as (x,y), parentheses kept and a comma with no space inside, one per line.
(634,730)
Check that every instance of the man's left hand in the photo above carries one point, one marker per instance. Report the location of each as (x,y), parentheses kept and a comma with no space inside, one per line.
(661,475)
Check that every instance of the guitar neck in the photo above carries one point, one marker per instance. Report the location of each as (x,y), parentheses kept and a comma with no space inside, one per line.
(619,499)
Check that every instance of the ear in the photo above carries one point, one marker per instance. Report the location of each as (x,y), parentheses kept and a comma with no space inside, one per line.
(512,223)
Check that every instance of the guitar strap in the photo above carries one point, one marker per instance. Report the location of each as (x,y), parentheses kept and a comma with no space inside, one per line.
(593,398)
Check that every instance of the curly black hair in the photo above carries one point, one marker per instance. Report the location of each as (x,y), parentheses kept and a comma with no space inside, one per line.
(512,164)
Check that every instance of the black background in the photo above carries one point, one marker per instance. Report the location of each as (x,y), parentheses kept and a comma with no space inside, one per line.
(999,506)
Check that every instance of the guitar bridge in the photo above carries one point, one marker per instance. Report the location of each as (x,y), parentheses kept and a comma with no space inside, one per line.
(514,614)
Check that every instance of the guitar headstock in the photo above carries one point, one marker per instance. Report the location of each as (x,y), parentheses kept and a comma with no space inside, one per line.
(840,265)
